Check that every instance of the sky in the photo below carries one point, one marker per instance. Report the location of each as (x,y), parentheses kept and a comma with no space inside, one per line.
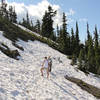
(82,11)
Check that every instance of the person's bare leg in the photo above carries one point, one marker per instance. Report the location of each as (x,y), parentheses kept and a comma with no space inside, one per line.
(50,68)
(42,71)
(48,73)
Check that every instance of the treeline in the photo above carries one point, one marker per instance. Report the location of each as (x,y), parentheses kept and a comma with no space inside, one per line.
(89,56)
(68,44)
(86,56)
(9,14)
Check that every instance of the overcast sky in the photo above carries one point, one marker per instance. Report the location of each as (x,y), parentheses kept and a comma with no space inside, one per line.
(82,11)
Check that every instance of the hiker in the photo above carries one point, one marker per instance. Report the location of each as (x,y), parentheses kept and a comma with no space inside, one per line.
(45,66)
(50,63)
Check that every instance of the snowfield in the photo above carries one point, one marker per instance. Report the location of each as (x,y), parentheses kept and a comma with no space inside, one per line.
(22,80)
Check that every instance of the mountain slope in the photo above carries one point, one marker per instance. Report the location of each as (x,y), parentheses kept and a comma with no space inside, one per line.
(22,80)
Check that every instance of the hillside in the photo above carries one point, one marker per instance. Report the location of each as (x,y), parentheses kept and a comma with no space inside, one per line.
(14,32)
(21,79)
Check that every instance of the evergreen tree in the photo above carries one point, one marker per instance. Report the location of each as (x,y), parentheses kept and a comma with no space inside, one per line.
(32,26)
(7,15)
(64,26)
(31,23)
(91,57)
(77,48)
(77,35)
(10,13)
(96,38)
(72,41)
(47,23)
(38,26)
(45,31)
(66,37)
(63,34)
(14,16)
(3,9)
(58,33)
(59,36)
(24,23)
(27,19)
(88,32)
(97,50)
(87,41)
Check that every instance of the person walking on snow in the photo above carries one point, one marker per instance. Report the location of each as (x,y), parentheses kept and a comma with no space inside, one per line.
(45,65)
(50,63)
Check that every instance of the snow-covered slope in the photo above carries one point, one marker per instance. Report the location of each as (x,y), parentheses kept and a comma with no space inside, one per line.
(22,80)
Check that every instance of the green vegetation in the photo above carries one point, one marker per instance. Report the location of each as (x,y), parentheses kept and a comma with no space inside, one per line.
(9,14)
(13,32)
(89,56)
(47,23)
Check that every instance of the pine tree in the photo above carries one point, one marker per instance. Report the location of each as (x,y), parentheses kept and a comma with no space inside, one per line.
(96,48)
(7,15)
(88,32)
(64,26)
(10,13)
(72,41)
(58,33)
(96,38)
(77,35)
(38,26)
(47,23)
(77,48)
(27,20)
(24,23)
(91,57)
(14,16)
(63,35)
(88,38)
(31,23)
(59,36)
(3,9)
(32,26)
(66,37)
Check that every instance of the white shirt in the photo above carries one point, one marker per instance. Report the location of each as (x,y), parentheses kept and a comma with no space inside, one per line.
(45,64)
